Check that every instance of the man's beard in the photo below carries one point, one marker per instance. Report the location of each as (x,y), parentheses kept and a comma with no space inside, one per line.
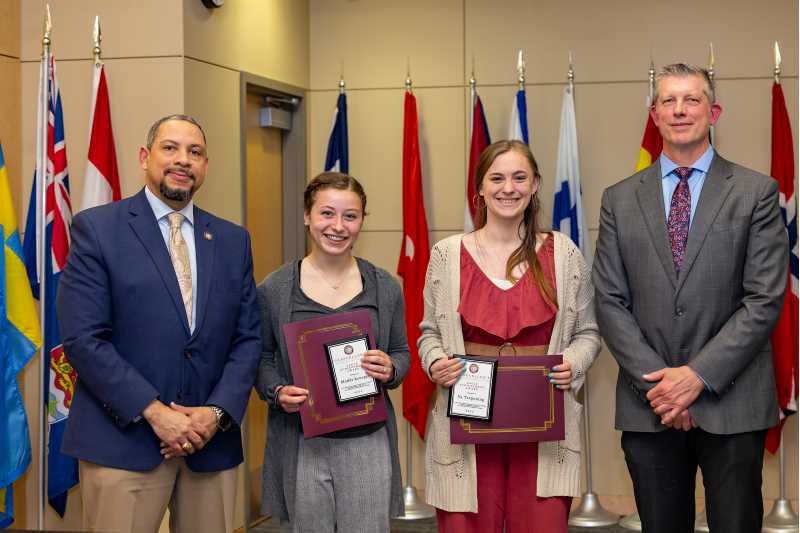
(177,195)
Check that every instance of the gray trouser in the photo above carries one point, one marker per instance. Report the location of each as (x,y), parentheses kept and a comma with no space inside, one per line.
(343,485)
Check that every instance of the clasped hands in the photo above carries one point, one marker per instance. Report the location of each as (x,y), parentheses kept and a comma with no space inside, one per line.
(445,371)
(376,364)
(676,390)
(182,430)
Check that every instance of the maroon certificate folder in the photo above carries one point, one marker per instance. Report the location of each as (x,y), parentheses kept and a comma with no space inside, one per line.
(527,408)
(306,342)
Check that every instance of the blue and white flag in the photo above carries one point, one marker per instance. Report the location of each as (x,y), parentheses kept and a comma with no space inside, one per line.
(337,158)
(568,216)
(518,129)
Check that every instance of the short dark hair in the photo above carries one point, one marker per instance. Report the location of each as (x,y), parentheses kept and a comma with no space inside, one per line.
(333,180)
(153,131)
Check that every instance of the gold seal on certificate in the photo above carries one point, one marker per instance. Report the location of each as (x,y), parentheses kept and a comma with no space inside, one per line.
(350,381)
(472,395)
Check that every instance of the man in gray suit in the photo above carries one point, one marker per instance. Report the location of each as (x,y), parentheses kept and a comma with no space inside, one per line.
(689,275)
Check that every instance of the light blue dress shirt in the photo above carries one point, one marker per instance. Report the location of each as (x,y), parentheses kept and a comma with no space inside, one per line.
(669,180)
(161,211)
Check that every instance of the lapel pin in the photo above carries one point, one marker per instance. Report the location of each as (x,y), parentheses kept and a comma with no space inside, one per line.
(208,236)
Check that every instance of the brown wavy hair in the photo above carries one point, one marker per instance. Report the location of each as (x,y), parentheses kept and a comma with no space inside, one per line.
(333,180)
(529,226)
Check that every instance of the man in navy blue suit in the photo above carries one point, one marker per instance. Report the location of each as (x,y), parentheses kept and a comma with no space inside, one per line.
(157,309)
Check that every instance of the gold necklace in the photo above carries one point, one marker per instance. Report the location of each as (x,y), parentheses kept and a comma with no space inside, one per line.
(334,286)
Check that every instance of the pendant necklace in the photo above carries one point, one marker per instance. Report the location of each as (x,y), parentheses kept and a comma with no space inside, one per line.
(335,286)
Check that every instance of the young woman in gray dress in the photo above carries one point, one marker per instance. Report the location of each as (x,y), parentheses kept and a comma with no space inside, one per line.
(348,480)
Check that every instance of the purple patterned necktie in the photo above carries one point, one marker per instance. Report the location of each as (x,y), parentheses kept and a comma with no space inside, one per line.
(679,212)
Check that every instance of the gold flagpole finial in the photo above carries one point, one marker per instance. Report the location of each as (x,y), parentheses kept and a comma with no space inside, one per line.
(47,27)
(521,70)
(472,81)
(777,57)
(97,36)
(408,74)
(341,76)
(711,61)
(571,74)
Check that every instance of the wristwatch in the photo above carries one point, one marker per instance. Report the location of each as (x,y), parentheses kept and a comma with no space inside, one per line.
(223,418)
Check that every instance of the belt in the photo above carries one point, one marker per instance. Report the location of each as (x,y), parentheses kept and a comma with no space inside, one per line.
(505,349)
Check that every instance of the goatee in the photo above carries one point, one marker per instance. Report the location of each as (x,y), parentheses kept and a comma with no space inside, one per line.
(177,195)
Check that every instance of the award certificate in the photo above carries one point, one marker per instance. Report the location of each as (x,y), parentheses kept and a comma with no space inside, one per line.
(527,407)
(350,381)
(309,345)
(473,394)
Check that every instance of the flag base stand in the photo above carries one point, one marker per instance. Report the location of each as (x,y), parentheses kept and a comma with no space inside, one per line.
(781,518)
(631,522)
(589,513)
(416,509)
(701,522)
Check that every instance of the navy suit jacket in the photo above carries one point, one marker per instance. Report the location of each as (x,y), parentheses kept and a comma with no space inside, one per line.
(125,332)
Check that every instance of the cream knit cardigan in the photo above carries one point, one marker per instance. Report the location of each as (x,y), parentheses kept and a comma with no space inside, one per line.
(450,472)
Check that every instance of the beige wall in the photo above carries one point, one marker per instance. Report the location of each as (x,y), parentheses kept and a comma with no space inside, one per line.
(265,38)
(10,94)
(373,42)
(222,191)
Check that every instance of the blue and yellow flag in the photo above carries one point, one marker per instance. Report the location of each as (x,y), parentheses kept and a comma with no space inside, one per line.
(20,337)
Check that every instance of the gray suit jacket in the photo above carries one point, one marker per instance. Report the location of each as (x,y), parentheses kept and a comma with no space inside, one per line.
(716,316)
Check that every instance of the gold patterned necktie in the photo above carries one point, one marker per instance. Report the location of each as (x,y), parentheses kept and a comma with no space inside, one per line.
(179,252)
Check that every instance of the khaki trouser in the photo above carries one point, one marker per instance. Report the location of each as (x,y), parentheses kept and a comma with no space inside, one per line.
(124,501)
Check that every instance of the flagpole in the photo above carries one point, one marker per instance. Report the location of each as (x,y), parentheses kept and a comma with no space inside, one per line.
(782,517)
(632,521)
(571,76)
(472,92)
(469,222)
(97,36)
(589,512)
(415,509)
(711,132)
(701,520)
(41,248)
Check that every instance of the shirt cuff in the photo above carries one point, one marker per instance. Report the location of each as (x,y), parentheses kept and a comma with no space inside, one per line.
(706,386)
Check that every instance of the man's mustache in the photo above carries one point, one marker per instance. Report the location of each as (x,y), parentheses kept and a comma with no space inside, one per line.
(181,170)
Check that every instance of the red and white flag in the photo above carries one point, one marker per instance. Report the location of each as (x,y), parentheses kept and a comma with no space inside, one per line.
(413,263)
(784,336)
(101,182)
